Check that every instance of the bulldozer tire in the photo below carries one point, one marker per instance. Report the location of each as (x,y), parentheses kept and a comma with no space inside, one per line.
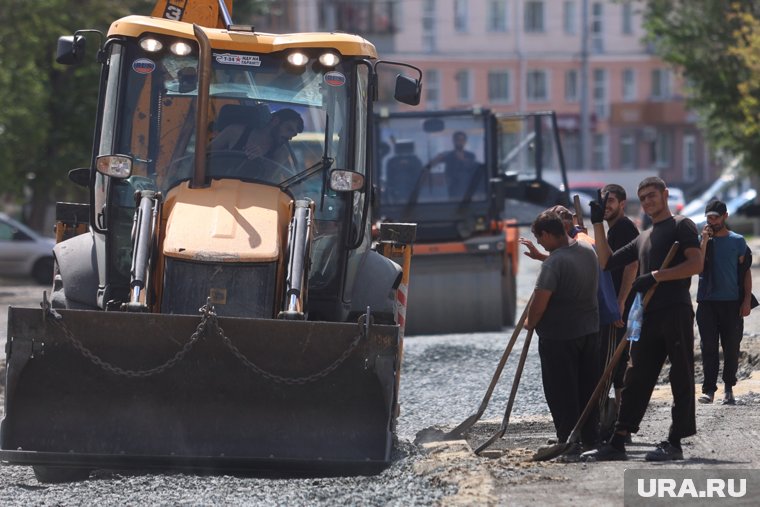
(508,294)
(53,474)
(42,272)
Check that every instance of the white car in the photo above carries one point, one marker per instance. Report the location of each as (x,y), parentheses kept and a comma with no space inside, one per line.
(676,200)
(24,252)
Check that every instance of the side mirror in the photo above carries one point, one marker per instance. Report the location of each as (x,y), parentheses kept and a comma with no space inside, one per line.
(70,49)
(346,181)
(80,176)
(408,90)
(116,166)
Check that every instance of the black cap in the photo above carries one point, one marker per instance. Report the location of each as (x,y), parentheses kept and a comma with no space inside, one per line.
(715,208)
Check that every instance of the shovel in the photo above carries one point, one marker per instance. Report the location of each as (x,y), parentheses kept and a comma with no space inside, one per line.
(427,435)
(552,451)
(511,402)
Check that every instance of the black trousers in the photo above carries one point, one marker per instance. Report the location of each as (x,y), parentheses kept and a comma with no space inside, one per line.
(570,372)
(665,333)
(719,322)
(610,337)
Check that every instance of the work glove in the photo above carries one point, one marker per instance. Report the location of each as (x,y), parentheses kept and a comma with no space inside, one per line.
(643,283)
(597,207)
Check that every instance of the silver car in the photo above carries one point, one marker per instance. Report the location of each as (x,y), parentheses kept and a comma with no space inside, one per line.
(24,252)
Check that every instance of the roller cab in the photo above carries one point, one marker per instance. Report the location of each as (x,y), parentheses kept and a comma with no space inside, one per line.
(468,179)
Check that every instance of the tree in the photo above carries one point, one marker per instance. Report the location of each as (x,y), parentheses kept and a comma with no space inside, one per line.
(710,42)
(47,110)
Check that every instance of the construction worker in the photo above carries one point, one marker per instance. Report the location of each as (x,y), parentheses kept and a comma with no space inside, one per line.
(620,231)
(667,326)
(565,314)
(721,306)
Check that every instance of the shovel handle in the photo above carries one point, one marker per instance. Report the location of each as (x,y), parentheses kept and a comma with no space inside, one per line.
(578,210)
(467,423)
(592,401)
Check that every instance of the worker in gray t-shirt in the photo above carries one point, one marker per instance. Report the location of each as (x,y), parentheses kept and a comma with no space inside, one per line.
(564,312)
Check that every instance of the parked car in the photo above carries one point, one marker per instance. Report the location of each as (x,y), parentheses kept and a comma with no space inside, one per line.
(676,201)
(24,252)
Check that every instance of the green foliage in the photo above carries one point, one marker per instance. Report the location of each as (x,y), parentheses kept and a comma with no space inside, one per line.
(47,110)
(700,38)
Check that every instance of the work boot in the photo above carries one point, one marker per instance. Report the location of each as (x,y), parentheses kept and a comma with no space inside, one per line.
(606,452)
(728,398)
(571,455)
(706,398)
(665,451)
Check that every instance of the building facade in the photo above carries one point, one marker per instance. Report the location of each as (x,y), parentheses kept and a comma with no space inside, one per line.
(528,55)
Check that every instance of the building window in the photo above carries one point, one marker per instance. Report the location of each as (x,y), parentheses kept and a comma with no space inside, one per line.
(597,27)
(537,87)
(661,84)
(601,105)
(571,85)
(357,17)
(600,153)
(569,17)
(689,158)
(498,86)
(497,16)
(432,89)
(571,147)
(627,151)
(629,85)
(460,15)
(428,26)
(663,148)
(462,79)
(627,18)
(534,16)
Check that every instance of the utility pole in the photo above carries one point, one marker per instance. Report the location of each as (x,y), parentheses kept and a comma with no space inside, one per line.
(585,165)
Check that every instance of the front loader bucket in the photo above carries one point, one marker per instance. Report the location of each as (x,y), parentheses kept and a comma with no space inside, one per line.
(116,390)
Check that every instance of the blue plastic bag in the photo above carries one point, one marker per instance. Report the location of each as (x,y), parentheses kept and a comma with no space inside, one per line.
(635,316)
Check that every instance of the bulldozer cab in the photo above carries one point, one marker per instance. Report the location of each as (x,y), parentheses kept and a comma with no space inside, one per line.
(261,110)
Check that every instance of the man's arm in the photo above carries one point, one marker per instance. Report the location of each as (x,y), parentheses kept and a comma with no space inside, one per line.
(746,303)
(603,250)
(629,275)
(537,307)
(688,268)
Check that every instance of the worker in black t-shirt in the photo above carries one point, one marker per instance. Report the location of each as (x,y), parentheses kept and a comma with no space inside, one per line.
(668,325)
(620,232)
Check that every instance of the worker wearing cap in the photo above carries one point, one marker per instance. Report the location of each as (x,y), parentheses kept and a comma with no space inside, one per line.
(722,301)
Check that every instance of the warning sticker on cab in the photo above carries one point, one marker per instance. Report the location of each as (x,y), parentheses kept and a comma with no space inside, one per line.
(230,59)
(334,78)
(143,66)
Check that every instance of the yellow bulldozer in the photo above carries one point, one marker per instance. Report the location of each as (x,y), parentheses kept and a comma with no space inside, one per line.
(218,303)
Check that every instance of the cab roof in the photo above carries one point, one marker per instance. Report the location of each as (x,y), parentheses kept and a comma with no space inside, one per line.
(345,44)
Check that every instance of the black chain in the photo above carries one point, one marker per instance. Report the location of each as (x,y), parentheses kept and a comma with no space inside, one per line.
(279,379)
(133,373)
(208,323)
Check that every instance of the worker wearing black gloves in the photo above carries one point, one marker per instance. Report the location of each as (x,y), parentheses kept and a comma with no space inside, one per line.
(667,328)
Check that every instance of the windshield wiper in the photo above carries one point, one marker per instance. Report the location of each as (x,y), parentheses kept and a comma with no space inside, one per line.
(324,164)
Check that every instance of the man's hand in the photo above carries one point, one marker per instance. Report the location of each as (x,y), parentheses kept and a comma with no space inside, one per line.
(643,283)
(532,252)
(745,308)
(597,207)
